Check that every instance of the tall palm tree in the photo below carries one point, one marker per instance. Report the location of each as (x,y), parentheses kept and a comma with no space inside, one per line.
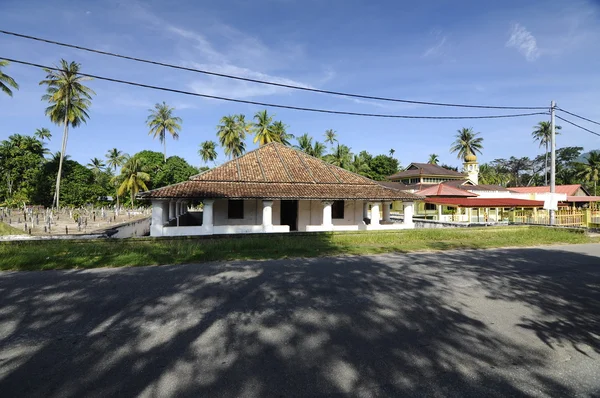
(6,80)
(330,137)
(304,143)
(132,179)
(433,159)
(466,143)
(69,102)
(543,135)
(161,121)
(232,133)
(114,160)
(43,134)
(263,128)
(392,152)
(281,134)
(96,165)
(590,170)
(341,157)
(208,151)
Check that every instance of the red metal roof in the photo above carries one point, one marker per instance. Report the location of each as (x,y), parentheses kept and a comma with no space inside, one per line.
(583,199)
(485,202)
(566,189)
(445,190)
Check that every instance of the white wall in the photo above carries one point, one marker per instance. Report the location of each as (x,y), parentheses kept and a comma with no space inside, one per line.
(252,213)
(310,212)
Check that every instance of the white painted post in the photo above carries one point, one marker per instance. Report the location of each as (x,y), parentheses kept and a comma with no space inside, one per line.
(386,211)
(159,217)
(172,210)
(327,220)
(439,209)
(497,220)
(409,211)
(207,216)
(375,214)
(267,218)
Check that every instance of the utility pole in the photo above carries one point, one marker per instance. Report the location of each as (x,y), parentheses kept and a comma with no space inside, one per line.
(552,162)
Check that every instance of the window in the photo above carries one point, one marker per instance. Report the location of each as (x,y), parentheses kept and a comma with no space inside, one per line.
(430,206)
(235,209)
(337,209)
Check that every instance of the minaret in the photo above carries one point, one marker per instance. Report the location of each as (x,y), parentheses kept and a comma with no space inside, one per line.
(471,167)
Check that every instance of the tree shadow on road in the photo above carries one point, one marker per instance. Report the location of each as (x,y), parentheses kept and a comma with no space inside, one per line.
(392,325)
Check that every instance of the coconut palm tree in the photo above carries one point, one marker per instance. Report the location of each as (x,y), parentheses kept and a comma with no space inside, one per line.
(392,152)
(232,133)
(114,160)
(543,135)
(281,134)
(433,159)
(341,157)
(330,137)
(466,143)
(208,151)
(96,165)
(590,170)
(161,121)
(263,128)
(132,179)
(43,134)
(306,145)
(6,80)
(69,102)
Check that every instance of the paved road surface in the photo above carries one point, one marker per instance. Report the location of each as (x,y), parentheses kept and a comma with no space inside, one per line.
(512,322)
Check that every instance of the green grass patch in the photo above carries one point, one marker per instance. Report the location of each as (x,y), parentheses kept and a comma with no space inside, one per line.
(6,229)
(69,254)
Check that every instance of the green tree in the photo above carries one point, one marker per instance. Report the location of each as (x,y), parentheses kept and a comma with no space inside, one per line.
(43,134)
(392,152)
(305,144)
(69,101)
(566,164)
(543,135)
(466,143)
(360,163)
(162,121)
(590,169)
(153,163)
(281,134)
(330,137)
(433,159)
(383,166)
(96,166)
(263,128)
(21,157)
(232,134)
(114,160)
(175,170)
(6,81)
(208,151)
(341,157)
(133,178)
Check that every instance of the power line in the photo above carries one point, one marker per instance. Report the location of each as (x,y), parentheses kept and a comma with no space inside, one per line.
(581,117)
(270,83)
(265,104)
(576,125)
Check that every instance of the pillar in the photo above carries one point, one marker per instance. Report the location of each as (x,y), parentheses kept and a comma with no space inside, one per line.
(267,217)
(177,208)
(497,217)
(386,211)
(409,211)
(375,214)
(172,210)
(439,209)
(207,216)
(327,221)
(160,215)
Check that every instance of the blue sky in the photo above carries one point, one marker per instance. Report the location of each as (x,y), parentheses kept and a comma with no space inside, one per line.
(512,52)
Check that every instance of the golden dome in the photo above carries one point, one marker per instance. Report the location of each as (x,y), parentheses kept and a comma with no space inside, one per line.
(470,158)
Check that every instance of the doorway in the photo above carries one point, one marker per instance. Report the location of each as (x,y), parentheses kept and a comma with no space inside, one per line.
(289,214)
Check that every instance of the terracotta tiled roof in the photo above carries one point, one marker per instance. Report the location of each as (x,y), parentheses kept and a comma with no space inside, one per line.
(445,190)
(462,184)
(275,171)
(570,190)
(418,169)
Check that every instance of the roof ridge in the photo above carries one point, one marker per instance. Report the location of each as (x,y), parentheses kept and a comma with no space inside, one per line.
(283,163)
(306,167)
(260,166)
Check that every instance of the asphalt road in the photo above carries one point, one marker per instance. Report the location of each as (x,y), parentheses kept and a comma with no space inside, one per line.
(511,322)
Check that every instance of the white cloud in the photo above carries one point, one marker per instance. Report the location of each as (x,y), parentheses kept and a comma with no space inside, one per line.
(521,39)
(435,49)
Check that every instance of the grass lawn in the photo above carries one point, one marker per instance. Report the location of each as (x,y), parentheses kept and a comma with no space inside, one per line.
(6,229)
(59,254)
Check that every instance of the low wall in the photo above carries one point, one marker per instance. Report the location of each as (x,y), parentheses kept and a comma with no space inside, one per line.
(131,229)
(422,223)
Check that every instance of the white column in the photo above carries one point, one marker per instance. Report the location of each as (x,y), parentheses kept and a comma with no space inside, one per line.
(177,207)
(207,216)
(409,211)
(497,215)
(172,210)
(267,217)
(160,214)
(439,209)
(184,207)
(386,211)
(375,214)
(327,221)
